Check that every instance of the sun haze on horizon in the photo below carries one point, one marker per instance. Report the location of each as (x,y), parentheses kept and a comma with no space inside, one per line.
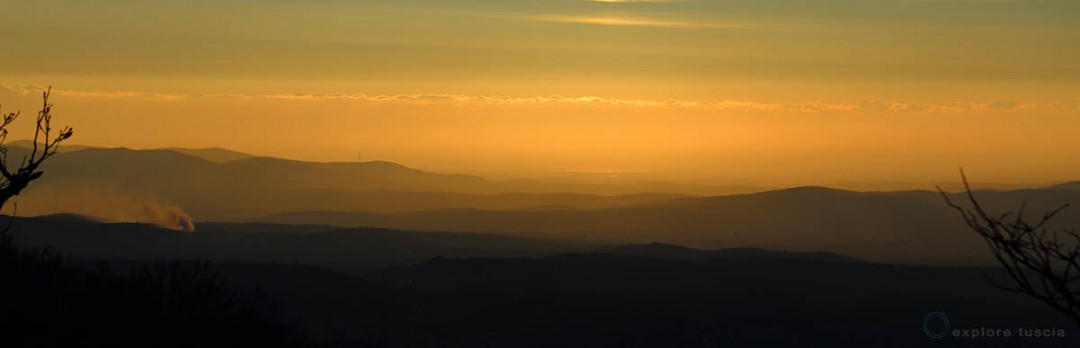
(762,92)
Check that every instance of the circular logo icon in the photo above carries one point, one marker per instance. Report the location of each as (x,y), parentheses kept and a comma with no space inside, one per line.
(936,325)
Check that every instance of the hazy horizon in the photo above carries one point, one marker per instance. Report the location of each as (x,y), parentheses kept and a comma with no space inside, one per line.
(685,183)
(767,93)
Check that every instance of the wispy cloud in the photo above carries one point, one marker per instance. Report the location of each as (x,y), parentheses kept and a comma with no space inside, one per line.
(26,89)
(720,105)
(622,21)
(623,1)
(979,1)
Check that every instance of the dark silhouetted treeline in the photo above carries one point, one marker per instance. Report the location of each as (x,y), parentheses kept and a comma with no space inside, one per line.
(47,301)
(594,300)
(651,295)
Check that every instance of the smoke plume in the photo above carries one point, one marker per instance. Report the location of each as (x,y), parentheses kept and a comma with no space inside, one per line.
(111,205)
(171,217)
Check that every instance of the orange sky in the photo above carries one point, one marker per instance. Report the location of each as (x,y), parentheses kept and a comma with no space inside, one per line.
(750,92)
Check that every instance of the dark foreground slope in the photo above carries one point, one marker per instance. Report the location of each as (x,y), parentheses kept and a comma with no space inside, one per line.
(46,301)
(630,296)
(588,300)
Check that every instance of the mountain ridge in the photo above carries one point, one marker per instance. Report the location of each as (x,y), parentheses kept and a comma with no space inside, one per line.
(672,251)
(905,227)
(325,246)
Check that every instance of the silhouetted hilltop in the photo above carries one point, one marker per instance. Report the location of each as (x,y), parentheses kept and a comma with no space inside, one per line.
(801,191)
(126,168)
(669,251)
(66,219)
(29,144)
(212,154)
(1074,185)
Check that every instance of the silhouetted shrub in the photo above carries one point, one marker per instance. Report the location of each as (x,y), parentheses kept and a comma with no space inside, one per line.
(47,301)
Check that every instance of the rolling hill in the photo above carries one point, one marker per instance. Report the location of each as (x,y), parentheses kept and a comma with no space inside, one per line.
(345,249)
(161,186)
(671,251)
(1073,185)
(908,227)
(212,154)
(121,182)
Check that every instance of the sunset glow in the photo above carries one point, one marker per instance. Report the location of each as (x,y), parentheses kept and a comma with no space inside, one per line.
(539,173)
(754,92)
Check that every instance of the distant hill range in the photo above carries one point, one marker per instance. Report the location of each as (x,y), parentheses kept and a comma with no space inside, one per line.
(221,185)
(212,154)
(344,249)
(907,227)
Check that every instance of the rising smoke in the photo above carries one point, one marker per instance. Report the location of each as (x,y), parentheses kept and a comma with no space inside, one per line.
(110,205)
(171,217)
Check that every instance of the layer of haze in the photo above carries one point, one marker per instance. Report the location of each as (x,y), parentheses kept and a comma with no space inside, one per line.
(762,92)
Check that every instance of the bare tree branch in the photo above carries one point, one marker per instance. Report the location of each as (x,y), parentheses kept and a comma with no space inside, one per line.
(1040,264)
(46,143)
